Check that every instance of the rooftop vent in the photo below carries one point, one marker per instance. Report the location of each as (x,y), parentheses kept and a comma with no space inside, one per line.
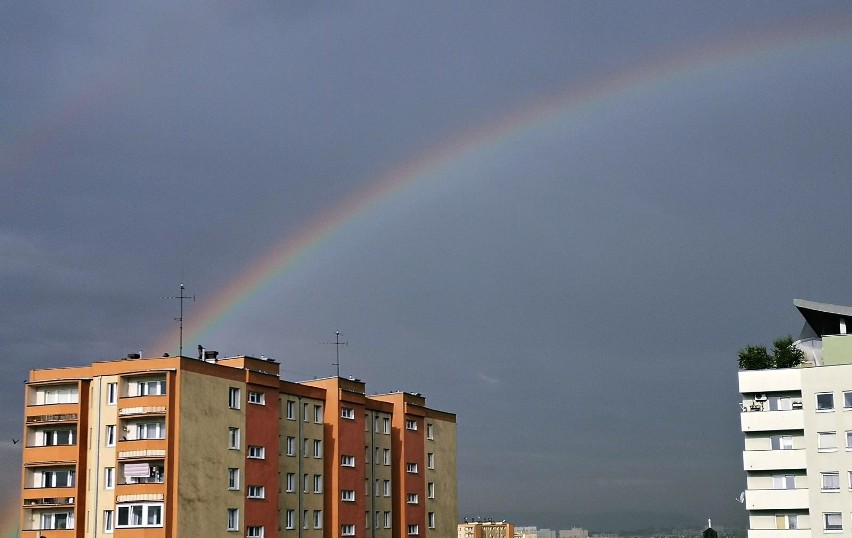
(133,355)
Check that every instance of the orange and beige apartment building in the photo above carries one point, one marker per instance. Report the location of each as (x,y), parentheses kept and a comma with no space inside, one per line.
(181,447)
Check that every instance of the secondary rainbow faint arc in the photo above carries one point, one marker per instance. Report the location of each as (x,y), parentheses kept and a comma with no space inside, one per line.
(294,248)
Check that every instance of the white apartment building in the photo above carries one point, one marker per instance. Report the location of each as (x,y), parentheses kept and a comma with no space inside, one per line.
(797,424)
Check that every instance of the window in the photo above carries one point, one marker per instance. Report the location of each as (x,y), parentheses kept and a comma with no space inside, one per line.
(412,498)
(430,490)
(825,401)
(305,484)
(305,447)
(430,431)
(786,521)
(253,531)
(291,482)
(347,412)
(109,435)
(144,473)
(291,411)
(430,520)
(290,519)
(112,393)
(109,477)
(782,481)
(256,452)
(781,442)
(234,438)
(55,438)
(386,425)
(291,446)
(832,521)
(386,488)
(57,520)
(347,461)
(849,440)
(305,408)
(386,456)
(413,529)
(411,467)
(109,523)
(347,530)
(233,519)
(410,424)
(430,460)
(780,403)
(151,430)
(55,395)
(847,399)
(347,495)
(258,398)
(317,519)
(317,483)
(378,519)
(367,517)
(233,478)
(827,441)
(56,479)
(830,481)
(317,448)
(153,387)
(140,515)
(305,519)
(234,398)
(256,492)
(318,414)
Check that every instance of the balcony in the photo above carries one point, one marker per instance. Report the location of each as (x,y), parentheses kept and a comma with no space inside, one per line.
(141,453)
(50,454)
(777,499)
(771,460)
(759,421)
(53,419)
(779,533)
(142,410)
(47,502)
(762,381)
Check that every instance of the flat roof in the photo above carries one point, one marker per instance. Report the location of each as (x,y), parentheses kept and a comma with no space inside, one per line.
(823,318)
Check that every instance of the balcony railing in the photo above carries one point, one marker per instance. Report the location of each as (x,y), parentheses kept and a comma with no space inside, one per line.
(146,410)
(770,460)
(757,421)
(64,417)
(48,501)
(777,499)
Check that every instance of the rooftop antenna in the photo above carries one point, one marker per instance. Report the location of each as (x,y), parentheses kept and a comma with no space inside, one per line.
(337,343)
(181,298)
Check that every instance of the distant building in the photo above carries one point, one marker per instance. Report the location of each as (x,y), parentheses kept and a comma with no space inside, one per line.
(797,424)
(179,447)
(574,533)
(486,529)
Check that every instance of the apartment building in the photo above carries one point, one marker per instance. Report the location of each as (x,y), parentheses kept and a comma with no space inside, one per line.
(797,424)
(486,529)
(181,447)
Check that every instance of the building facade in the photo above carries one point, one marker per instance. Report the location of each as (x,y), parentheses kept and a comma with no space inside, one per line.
(797,424)
(180,447)
(486,529)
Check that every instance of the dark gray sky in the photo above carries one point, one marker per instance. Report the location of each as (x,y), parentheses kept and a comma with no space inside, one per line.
(575,291)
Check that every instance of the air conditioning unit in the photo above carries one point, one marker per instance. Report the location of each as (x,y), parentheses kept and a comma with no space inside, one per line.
(760,397)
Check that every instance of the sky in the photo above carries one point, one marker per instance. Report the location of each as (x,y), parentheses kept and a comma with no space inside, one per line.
(558,220)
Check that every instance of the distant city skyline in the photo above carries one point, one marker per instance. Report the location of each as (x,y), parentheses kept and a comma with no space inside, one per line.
(559,220)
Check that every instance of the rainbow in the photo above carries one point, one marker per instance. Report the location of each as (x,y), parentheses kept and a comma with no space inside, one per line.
(708,58)
(10,518)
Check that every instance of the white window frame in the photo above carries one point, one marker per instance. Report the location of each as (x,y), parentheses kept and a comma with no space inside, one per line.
(847,399)
(233,438)
(430,520)
(347,461)
(430,431)
(410,424)
(305,415)
(347,495)
(109,477)
(412,498)
(109,521)
(827,404)
(254,531)
(827,441)
(147,510)
(233,519)
(150,430)
(388,520)
(411,467)
(290,410)
(386,456)
(256,398)
(290,446)
(290,519)
(290,485)
(256,492)
(430,460)
(109,435)
(347,413)
(347,530)
(783,481)
(837,522)
(386,488)
(233,397)
(317,483)
(386,425)
(112,393)
(318,414)
(784,442)
(413,529)
(233,478)
(430,490)
(317,519)
(256,452)
(318,448)
(50,520)
(830,481)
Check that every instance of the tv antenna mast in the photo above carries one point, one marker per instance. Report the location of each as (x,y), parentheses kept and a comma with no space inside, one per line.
(337,343)
(181,298)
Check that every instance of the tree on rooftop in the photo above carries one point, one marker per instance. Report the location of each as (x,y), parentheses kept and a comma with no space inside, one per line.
(784,355)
